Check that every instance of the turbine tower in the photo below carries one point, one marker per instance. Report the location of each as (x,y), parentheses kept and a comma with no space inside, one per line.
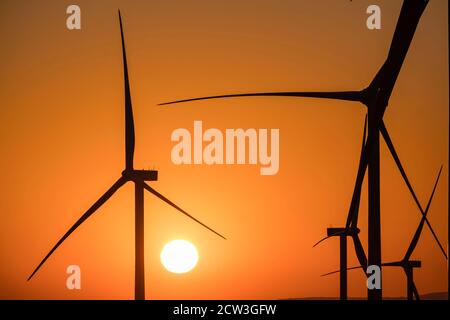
(375,97)
(129,174)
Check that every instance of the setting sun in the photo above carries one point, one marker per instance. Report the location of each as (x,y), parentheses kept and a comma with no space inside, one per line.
(179,256)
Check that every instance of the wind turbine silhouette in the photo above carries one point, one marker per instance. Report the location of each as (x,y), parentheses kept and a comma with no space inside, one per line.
(139,178)
(406,263)
(350,230)
(376,98)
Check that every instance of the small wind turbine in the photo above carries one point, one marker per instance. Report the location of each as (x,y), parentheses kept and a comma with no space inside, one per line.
(406,263)
(376,98)
(139,178)
(350,230)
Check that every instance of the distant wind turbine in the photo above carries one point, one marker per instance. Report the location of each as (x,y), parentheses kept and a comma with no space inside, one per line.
(139,178)
(406,263)
(350,230)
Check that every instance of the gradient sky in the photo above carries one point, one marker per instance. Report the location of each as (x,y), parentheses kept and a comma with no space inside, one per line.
(62,146)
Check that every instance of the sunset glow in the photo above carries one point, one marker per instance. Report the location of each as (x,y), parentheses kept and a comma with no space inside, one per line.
(287,178)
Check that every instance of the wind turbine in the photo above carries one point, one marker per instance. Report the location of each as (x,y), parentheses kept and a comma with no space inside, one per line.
(350,230)
(139,178)
(406,263)
(376,98)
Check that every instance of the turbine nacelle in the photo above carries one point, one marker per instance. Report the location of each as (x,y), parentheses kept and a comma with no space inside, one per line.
(405,264)
(336,232)
(140,175)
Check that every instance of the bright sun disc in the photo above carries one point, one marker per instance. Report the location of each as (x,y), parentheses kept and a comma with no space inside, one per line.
(179,256)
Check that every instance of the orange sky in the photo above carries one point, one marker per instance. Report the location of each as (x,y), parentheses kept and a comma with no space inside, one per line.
(62,128)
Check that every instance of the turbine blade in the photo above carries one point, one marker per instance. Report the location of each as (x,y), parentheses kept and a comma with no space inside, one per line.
(415,291)
(418,232)
(163,198)
(351,268)
(86,215)
(337,271)
(343,95)
(392,264)
(407,22)
(375,83)
(327,237)
(352,217)
(394,154)
(129,121)
(359,250)
(364,136)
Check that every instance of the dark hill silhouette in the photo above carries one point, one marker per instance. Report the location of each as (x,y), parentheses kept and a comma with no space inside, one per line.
(427,296)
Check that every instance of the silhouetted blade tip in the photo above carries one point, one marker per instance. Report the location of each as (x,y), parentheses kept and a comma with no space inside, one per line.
(166,200)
